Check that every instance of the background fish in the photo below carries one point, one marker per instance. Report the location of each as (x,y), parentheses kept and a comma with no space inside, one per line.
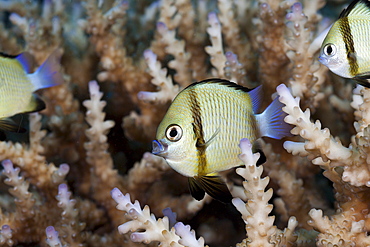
(17,85)
(200,133)
(346,48)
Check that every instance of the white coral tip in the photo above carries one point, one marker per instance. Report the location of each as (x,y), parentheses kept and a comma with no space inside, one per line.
(292,223)
(139,237)
(212,18)
(245,145)
(118,196)
(239,205)
(6,231)
(161,27)
(52,236)
(63,170)
(149,55)
(282,89)
(93,88)
(8,166)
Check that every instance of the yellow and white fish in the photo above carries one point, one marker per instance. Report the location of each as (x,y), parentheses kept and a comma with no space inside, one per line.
(17,85)
(346,48)
(200,133)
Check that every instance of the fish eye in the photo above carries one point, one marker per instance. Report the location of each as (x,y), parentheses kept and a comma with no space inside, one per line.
(174,132)
(330,50)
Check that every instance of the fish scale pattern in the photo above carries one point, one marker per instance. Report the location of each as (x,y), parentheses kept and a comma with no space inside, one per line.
(14,82)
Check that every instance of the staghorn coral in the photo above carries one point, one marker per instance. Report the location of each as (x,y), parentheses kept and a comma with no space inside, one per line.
(58,178)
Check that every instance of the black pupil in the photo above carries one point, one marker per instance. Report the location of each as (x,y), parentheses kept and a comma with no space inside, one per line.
(329,50)
(173,132)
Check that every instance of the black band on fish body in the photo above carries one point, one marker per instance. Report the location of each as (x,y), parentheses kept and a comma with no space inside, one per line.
(212,185)
(346,33)
(198,131)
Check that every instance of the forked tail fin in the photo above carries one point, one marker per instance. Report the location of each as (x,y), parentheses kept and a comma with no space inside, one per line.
(48,74)
(271,121)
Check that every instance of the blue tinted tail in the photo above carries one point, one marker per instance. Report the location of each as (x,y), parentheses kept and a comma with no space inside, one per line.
(48,74)
(271,121)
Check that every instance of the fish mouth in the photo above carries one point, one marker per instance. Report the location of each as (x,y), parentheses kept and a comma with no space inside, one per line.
(323,60)
(158,148)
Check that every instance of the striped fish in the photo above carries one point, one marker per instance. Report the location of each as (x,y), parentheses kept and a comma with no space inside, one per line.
(346,48)
(18,84)
(200,133)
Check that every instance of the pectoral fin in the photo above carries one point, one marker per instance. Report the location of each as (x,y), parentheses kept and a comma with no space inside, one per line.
(213,185)
(207,143)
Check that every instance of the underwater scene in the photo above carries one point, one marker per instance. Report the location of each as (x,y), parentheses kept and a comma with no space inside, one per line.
(184,123)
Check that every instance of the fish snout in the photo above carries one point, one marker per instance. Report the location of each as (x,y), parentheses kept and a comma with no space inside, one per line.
(323,60)
(158,148)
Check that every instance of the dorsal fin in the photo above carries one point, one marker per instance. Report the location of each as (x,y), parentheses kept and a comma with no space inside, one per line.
(254,93)
(3,54)
(221,82)
(356,8)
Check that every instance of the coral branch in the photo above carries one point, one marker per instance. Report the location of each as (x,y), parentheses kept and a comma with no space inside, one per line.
(70,223)
(96,149)
(304,81)
(255,213)
(317,139)
(167,89)
(6,236)
(188,236)
(141,219)
(19,190)
(181,60)
(234,70)
(216,51)
(104,176)
(52,237)
(259,225)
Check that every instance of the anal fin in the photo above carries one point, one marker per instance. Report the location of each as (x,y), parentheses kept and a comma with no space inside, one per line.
(8,124)
(213,185)
(363,79)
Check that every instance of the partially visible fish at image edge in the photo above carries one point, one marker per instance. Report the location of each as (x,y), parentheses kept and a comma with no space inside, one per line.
(17,85)
(345,50)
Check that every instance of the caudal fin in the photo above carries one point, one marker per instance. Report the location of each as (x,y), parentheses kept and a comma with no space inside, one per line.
(271,121)
(48,74)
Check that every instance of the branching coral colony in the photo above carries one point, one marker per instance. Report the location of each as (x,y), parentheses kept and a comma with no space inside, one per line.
(58,179)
